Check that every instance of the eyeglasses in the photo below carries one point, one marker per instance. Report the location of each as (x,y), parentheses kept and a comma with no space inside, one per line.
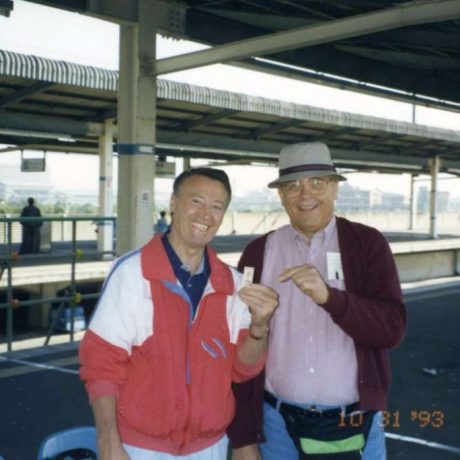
(315,185)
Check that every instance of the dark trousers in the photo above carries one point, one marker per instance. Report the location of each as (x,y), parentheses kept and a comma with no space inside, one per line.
(30,240)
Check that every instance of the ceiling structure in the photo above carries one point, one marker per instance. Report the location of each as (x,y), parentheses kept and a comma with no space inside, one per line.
(58,106)
(404,50)
(422,60)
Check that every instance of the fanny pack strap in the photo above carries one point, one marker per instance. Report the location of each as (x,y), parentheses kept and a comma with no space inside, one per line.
(343,437)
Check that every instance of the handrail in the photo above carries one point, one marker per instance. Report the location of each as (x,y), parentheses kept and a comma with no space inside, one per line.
(9,262)
(59,219)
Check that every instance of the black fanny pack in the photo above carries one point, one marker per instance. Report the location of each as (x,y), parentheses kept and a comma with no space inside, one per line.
(333,434)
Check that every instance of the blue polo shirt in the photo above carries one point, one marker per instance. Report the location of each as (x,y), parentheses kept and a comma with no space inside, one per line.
(193,284)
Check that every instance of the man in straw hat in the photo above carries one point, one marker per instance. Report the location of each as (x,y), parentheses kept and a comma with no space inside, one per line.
(340,310)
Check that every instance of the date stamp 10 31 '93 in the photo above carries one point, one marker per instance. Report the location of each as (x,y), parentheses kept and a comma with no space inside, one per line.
(394,419)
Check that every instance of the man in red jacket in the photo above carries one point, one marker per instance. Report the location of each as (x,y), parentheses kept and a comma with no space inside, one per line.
(327,374)
(171,331)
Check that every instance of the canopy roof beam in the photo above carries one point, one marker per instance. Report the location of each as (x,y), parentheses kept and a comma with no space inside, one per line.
(24,93)
(409,14)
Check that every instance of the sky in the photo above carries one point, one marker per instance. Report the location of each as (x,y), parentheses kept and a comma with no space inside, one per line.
(56,34)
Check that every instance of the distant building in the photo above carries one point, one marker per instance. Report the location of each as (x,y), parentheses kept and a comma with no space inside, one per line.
(423,200)
(18,186)
(443,201)
(454,203)
(257,200)
(392,202)
(41,194)
(81,197)
(356,199)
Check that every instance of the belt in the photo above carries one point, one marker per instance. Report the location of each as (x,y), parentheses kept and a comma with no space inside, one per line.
(283,407)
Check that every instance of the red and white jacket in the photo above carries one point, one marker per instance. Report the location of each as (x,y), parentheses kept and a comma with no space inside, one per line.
(171,375)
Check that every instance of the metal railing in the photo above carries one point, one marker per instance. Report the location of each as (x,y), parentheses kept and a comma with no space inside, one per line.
(60,228)
(71,253)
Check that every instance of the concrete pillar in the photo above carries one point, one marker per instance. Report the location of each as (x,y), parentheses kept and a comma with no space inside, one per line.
(136,132)
(413,203)
(105,228)
(435,165)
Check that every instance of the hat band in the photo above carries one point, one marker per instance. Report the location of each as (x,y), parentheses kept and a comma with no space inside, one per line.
(301,168)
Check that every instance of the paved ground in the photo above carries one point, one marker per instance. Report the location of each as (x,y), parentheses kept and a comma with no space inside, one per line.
(423,406)
(425,394)
(36,401)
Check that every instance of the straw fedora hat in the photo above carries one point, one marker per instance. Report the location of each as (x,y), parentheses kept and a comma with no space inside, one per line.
(304,160)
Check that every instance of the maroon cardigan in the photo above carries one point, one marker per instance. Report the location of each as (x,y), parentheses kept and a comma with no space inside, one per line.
(371,311)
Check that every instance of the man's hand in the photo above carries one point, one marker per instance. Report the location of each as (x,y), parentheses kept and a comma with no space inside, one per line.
(262,302)
(308,280)
(250,452)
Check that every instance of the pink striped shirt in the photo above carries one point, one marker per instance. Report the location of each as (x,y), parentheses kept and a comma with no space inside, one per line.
(310,359)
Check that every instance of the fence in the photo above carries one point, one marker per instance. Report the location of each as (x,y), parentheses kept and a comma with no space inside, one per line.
(67,234)
(240,222)
(251,222)
(70,230)
(61,228)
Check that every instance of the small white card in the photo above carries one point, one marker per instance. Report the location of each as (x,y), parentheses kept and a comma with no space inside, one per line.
(248,275)
(334,266)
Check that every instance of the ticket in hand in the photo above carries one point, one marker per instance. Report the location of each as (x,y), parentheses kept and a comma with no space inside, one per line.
(248,275)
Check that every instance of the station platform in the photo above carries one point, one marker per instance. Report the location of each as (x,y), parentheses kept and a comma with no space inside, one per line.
(55,266)
(41,391)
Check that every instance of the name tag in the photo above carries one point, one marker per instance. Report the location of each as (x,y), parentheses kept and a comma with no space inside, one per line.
(334,266)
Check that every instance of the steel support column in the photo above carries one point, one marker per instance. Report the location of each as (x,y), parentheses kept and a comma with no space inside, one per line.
(435,165)
(105,229)
(413,203)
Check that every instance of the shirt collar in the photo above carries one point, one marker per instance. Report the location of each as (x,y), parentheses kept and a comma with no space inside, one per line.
(203,268)
(157,266)
(322,237)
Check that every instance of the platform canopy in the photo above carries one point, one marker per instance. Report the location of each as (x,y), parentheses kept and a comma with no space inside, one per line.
(59,106)
(406,50)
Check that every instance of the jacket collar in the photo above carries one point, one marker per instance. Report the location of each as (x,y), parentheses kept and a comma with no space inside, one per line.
(156,266)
